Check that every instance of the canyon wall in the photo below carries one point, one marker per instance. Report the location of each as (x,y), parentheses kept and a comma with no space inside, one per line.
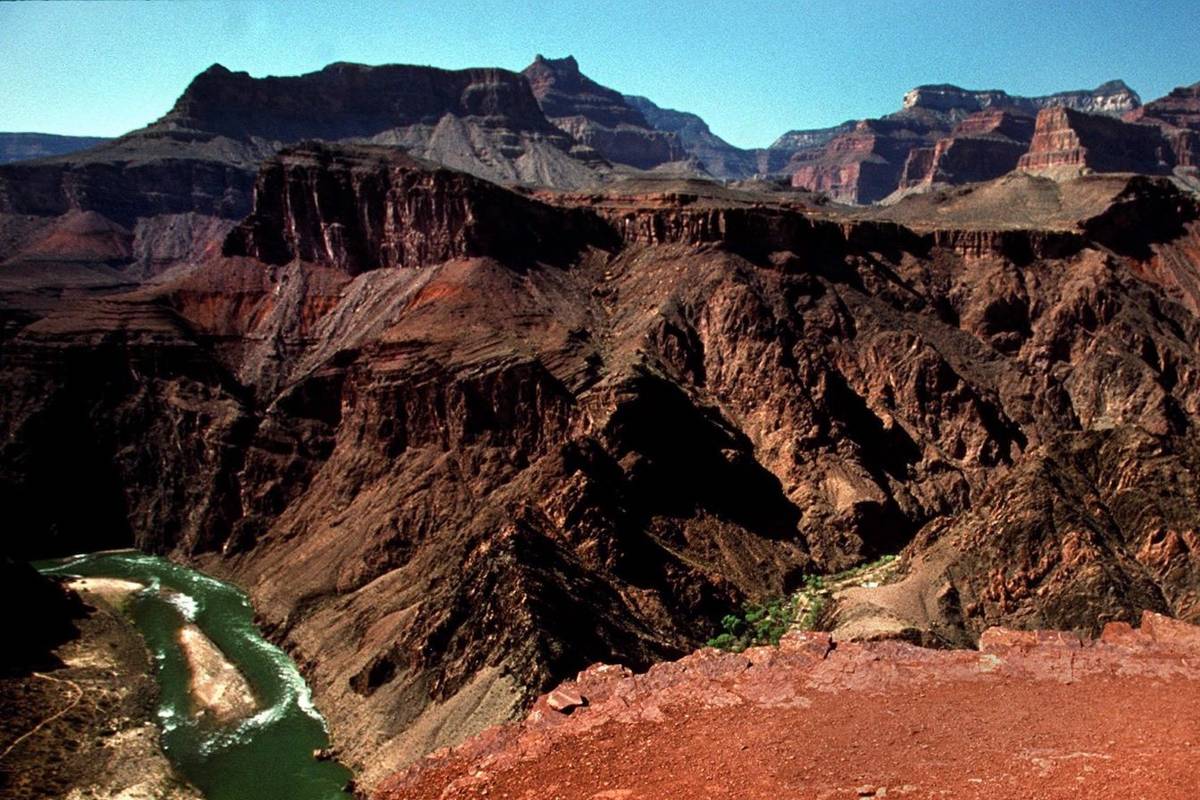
(459,442)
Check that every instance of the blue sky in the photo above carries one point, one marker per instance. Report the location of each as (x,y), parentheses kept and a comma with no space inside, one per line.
(751,69)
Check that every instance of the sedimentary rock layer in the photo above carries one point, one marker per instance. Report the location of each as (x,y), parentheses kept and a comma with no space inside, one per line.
(597,116)
(1068,139)
(455,461)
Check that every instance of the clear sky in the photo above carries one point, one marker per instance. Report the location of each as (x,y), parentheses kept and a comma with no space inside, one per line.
(751,69)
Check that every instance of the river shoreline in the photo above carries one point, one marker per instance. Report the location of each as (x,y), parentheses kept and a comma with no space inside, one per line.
(98,738)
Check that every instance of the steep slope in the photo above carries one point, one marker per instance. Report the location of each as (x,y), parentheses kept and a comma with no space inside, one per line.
(459,442)
(810,139)
(175,187)
(1113,98)
(45,621)
(866,164)
(484,121)
(715,155)
(1178,113)
(597,116)
(982,147)
(1068,140)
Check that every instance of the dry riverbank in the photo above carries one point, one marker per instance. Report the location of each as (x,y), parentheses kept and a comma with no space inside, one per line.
(85,731)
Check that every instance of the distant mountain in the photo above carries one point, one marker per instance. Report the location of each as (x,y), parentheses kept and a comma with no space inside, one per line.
(941,134)
(24,146)
(597,116)
(714,155)
(1178,115)
(717,156)
(810,138)
(175,187)
(202,154)
(1113,98)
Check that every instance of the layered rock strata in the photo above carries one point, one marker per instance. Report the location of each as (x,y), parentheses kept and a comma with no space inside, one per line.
(1113,98)
(1179,115)
(944,134)
(597,116)
(1067,139)
(984,146)
(459,442)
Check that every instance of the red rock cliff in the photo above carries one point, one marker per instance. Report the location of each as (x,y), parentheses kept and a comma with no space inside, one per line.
(362,208)
(1066,138)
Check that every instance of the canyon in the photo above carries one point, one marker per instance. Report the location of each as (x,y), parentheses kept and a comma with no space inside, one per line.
(474,379)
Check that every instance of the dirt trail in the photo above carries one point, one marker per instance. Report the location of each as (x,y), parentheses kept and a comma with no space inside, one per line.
(1028,716)
(86,732)
(77,691)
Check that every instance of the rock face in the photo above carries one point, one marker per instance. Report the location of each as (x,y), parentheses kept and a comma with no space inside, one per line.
(459,443)
(1179,116)
(482,121)
(983,146)
(865,165)
(923,143)
(45,619)
(1179,109)
(796,140)
(1072,140)
(201,156)
(24,146)
(1113,98)
(597,116)
(362,208)
(714,155)
(177,186)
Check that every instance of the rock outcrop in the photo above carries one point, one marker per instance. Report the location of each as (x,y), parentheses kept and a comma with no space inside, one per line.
(201,156)
(1069,140)
(923,143)
(41,619)
(1113,98)
(982,147)
(714,155)
(810,139)
(178,185)
(782,722)
(597,116)
(359,208)
(865,165)
(1178,114)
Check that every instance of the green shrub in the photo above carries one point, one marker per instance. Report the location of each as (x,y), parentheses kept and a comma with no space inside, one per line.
(766,623)
(758,624)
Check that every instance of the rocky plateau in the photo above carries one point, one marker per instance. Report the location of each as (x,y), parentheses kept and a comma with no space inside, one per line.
(799,719)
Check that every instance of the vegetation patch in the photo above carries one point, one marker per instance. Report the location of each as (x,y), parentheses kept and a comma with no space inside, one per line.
(765,623)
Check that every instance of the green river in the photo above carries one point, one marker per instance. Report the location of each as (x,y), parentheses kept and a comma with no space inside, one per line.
(267,756)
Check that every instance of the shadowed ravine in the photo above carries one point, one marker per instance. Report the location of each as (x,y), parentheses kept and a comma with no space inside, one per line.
(265,755)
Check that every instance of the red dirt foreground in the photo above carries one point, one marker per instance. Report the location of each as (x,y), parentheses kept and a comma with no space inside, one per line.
(1028,715)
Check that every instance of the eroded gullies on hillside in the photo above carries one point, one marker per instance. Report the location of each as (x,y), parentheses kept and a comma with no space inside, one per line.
(236,715)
